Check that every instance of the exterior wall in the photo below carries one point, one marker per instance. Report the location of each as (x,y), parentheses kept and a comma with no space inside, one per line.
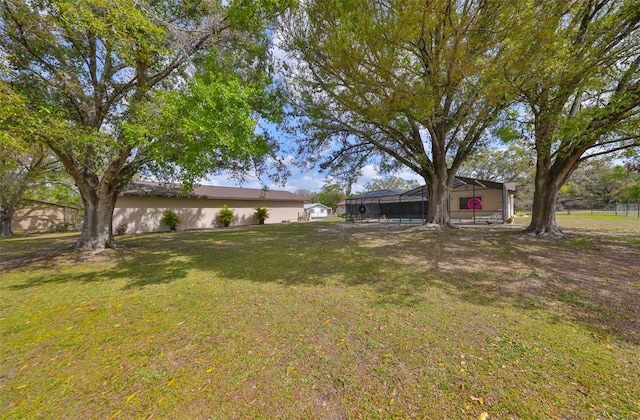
(41,216)
(143,214)
(491,202)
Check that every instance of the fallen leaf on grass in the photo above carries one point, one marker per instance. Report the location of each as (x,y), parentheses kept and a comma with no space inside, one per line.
(480,400)
(130,397)
(171,382)
(209,370)
(483,416)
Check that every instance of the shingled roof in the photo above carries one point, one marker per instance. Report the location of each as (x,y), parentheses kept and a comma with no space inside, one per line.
(155,189)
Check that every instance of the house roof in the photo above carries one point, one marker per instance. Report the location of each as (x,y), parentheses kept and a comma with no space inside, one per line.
(376,194)
(156,189)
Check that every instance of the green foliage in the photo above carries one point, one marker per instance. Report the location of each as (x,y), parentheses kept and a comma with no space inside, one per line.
(118,89)
(225,216)
(170,219)
(63,226)
(27,169)
(208,126)
(262,213)
(601,182)
(573,66)
(408,83)
(330,196)
(391,183)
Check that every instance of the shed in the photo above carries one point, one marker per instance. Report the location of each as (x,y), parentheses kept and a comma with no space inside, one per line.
(140,207)
(316,211)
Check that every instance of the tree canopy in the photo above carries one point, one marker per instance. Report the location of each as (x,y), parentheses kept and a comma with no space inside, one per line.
(330,196)
(397,83)
(169,88)
(575,67)
(391,182)
(24,166)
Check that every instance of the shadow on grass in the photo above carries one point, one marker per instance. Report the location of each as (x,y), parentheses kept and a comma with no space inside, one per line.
(585,279)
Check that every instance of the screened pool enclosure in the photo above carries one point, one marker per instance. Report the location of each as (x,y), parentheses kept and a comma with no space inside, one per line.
(409,206)
(470,200)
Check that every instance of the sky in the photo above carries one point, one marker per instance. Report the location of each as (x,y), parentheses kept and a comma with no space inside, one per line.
(304,179)
(301,178)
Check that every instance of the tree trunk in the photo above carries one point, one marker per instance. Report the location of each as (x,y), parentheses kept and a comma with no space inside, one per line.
(97,229)
(543,216)
(438,202)
(6,217)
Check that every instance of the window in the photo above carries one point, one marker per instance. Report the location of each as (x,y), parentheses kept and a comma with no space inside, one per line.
(470,203)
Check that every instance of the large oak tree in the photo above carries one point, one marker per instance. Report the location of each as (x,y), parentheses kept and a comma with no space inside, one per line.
(168,87)
(398,82)
(576,66)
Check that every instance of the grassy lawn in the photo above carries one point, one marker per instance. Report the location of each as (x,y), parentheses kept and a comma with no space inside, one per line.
(600,221)
(324,320)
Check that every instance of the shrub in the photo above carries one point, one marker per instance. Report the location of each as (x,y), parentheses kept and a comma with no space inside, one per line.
(262,213)
(170,219)
(225,216)
(63,226)
(121,229)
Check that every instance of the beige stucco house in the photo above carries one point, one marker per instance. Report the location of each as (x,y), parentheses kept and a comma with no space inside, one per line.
(478,199)
(141,205)
(38,215)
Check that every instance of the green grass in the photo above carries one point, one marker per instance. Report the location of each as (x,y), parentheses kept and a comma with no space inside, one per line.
(600,221)
(322,320)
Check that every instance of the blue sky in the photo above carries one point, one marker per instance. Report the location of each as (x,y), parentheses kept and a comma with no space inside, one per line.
(302,179)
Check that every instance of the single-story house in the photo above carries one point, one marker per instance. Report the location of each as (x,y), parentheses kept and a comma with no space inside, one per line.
(317,211)
(473,198)
(40,215)
(470,199)
(141,206)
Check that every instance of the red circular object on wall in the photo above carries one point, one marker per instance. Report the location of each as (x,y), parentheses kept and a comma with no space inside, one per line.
(474,204)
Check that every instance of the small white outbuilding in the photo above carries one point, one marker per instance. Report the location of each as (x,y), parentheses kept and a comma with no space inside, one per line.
(316,211)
